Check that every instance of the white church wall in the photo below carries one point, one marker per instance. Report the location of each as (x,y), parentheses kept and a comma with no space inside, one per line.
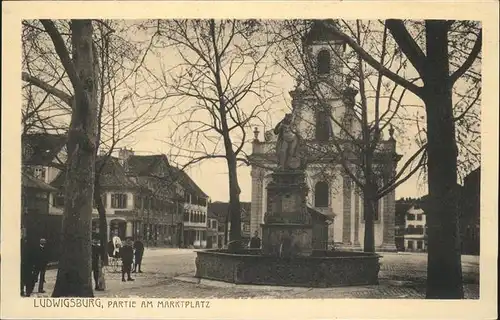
(378,225)
(352,212)
(267,179)
(337,205)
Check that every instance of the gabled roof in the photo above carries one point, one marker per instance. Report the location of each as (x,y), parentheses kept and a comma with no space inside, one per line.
(187,183)
(41,148)
(28,181)
(145,165)
(220,209)
(112,175)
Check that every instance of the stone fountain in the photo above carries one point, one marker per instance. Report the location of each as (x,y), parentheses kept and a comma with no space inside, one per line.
(287,257)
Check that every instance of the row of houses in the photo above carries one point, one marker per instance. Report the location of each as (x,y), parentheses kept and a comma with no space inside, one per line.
(411,224)
(142,196)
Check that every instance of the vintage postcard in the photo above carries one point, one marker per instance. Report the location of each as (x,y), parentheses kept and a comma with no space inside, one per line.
(249,160)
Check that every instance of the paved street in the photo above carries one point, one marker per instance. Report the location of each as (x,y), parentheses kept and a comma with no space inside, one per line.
(168,273)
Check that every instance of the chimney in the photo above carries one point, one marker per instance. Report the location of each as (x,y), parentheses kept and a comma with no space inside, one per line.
(123,155)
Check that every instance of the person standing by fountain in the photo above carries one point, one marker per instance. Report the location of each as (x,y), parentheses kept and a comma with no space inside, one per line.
(255,241)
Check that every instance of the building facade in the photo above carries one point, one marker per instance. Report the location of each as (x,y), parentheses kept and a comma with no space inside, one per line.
(219,211)
(42,158)
(331,191)
(470,216)
(142,196)
(415,238)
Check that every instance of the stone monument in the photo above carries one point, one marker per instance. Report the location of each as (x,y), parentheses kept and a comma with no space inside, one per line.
(287,228)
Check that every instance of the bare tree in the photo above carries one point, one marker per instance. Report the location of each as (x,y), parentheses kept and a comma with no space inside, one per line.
(439,70)
(223,86)
(73,277)
(120,114)
(356,146)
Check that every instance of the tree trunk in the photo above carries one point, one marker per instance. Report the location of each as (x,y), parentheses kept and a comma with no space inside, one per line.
(234,203)
(444,272)
(103,225)
(369,207)
(234,188)
(74,273)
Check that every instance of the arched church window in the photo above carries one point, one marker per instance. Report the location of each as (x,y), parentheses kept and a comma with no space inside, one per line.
(323,126)
(323,62)
(321,194)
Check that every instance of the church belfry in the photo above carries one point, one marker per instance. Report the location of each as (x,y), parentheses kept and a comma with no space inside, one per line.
(324,112)
(322,107)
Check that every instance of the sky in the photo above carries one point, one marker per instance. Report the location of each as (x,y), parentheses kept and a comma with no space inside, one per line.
(211,175)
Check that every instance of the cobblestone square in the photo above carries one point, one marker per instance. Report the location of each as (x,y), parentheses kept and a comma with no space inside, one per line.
(168,273)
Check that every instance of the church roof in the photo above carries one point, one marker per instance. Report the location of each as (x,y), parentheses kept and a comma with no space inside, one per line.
(320,31)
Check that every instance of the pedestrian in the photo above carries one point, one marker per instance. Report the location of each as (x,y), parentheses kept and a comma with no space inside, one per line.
(255,241)
(117,244)
(127,256)
(138,253)
(97,253)
(26,267)
(41,259)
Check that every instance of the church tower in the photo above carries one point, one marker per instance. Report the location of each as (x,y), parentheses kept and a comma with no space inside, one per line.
(321,98)
(323,106)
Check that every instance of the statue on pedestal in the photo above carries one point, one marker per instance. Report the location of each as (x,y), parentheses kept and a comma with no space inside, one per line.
(287,144)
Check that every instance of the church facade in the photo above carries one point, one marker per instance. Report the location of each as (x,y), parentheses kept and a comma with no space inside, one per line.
(324,118)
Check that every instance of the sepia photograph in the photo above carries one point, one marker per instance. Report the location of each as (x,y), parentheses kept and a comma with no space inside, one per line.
(226,158)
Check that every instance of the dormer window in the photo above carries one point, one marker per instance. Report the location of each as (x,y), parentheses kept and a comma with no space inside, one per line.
(323,62)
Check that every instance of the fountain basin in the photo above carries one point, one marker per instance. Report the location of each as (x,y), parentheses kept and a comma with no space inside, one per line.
(321,269)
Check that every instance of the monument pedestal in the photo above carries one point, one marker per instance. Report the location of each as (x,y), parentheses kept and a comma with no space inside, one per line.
(287,228)
(287,240)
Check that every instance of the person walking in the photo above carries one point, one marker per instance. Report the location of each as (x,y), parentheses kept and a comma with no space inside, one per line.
(41,260)
(127,256)
(138,253)
(26,268)
(96,262)
(255,241)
